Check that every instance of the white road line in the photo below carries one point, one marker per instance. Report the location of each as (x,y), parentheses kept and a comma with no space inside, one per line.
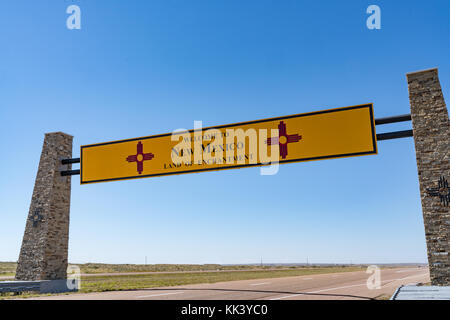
(399,271)
(390,281)
(259,284)
(323,290)
(344,287)
(337,288)
(306,278)
(285,297)
(417,275)
(160,294)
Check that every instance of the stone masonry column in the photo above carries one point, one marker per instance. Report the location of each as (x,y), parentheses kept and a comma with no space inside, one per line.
(44,251)
(431,129)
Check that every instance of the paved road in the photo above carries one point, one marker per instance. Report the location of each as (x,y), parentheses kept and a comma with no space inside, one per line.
(348,285)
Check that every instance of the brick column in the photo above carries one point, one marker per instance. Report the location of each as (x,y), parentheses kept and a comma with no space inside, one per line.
(43,255)
(431,129)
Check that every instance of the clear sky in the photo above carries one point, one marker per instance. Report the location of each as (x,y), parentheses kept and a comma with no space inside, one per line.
(138,68)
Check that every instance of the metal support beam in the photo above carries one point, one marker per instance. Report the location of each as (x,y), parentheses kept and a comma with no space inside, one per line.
(70,161)
(394,135)
(70,172)
(394,119)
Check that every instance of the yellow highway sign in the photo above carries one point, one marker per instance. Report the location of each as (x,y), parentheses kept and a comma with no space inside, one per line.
(326,134)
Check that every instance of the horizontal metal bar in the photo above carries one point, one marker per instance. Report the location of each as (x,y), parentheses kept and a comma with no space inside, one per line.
(394,135)
(69,161)
(70,172)
(394,119)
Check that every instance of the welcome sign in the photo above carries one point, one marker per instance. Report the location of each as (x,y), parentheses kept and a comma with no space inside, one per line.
(325,134)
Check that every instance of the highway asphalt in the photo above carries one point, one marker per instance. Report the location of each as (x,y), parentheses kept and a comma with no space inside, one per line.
(335,286)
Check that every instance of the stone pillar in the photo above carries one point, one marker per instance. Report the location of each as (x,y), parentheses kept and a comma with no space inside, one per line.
(43,255)
(431,129)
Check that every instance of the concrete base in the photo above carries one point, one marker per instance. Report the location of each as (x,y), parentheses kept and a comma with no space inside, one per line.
(41,286)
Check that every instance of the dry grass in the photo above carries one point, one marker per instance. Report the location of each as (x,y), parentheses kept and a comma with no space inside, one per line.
(121,268)
(130,282)
(7,268)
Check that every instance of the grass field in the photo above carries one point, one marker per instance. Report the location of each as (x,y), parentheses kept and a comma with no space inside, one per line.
(139,281)
(9,268)
(93,268)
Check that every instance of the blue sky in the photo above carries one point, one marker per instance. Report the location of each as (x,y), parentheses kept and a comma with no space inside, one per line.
(139,68)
